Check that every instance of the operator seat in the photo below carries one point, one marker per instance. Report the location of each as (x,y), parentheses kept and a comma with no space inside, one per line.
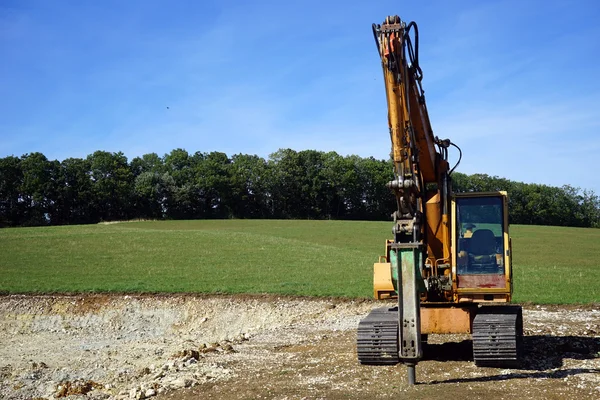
(482,252)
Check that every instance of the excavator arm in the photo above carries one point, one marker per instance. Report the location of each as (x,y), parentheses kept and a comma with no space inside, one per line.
(420,184)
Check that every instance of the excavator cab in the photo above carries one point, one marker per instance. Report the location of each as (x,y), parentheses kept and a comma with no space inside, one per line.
(482,256)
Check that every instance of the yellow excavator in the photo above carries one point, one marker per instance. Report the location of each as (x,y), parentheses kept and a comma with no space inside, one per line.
(449,261)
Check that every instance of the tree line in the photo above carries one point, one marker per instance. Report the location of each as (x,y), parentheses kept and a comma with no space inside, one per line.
(307,184)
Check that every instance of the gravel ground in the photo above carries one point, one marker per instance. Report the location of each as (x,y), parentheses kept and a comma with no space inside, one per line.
(239,347)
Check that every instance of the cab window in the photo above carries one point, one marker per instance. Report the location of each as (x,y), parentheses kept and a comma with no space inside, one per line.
(480,228)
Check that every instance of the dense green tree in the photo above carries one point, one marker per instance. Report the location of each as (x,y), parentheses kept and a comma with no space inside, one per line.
(212,179)
(311,184)
(334,185)
(590,208)
(377,199)
(147,163)
(285,197)
(178,164)
(152,191)
(249,186)
(353,187)
(38,188)
(184,199)
(75,196)
(301,185)
(12,206)
(112,185)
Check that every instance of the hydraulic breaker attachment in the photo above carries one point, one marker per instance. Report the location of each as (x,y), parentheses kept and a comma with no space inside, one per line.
(407,259)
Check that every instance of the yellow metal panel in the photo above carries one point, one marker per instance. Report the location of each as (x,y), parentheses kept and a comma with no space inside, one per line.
(383,287)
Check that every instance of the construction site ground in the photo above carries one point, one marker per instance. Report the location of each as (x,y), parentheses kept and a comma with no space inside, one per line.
(266,347)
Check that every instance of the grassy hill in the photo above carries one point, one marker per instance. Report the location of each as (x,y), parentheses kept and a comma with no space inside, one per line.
(316,258)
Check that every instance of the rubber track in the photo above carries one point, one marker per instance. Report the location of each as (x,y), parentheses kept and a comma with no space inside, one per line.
(377,339)
(498,336)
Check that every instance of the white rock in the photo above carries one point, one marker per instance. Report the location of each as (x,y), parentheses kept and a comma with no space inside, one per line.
(180,383)
(149,393)
(158,375)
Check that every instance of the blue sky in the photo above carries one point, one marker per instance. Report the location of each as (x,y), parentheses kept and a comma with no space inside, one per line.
(514,83)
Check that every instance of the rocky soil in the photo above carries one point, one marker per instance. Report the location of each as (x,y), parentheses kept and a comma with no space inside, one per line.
(243,347)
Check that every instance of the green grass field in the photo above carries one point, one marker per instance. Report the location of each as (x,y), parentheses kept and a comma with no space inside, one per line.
(315,258)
